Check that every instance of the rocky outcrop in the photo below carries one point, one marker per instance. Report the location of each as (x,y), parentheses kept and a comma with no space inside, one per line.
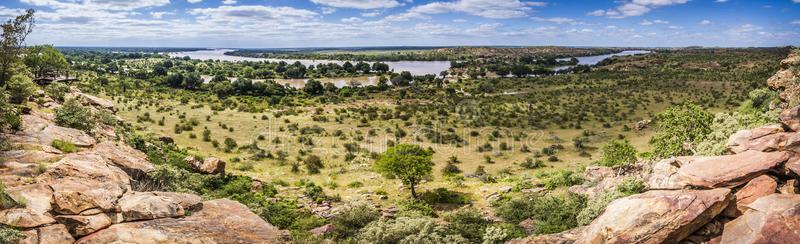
(785,80)
(220,221)
(210,165)
(132,161)
(759,187)
(147,205)
(658,216)
(764,139)
(729,170)
(771,219)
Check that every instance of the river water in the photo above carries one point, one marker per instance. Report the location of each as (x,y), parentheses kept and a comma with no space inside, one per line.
(415,67)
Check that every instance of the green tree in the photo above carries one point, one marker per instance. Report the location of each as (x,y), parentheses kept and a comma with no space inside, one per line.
(618,152)
(11,42)
(20,87)
(680,126)
(313,87)
(407,162)
(9,118)
(73,114)
(44,59)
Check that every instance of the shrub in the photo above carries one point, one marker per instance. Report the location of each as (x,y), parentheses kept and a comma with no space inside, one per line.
(450,169)
(57,91)
(443,196)
(617,153)
(677,126)
(530,163)
(560,178)
(9,118)
(551,213)
(725,124)
(10,235)
(6,201)
(415,208)
(352,217)
(20,88)
(355,184)
(73,114)
(630,186)
(596,206)
(406,230)
(313,164)
(468,223)
(64,146)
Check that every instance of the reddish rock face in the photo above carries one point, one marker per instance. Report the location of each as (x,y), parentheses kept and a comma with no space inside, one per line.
(656,216)
(759,187)
(765,139)
(771,219)
(790,117)
(729,170)
(220,221)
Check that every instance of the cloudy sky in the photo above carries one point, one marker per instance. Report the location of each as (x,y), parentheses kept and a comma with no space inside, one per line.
(325,23)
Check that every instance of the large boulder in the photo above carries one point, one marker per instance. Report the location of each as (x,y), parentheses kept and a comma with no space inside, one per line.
(88,166)
(729,170)
(74,195)
(771,219)
(759,187)
(658,216)
(30,156)
(130,160)
(96,101)
(36,197)
(54,234)
(766,139)
(209,165)
(220,221)
(785,80)
(148,205)
(665,173)
(187,201)
(74,136)
(81,225)
(24,218)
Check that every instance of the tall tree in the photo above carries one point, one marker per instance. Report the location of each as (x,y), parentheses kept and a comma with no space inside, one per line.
(407,162)
(44,59)
(12,42)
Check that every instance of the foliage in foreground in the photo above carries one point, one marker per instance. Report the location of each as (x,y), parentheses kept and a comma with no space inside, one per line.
(552,212)
(677,127)
(617,153)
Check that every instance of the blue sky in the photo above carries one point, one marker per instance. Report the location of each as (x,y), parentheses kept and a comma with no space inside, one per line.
(324,23)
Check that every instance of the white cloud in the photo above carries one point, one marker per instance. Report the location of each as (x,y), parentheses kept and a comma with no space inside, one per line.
(371,14)
(327,10)
(492,9)
(112,5)
(721,1)
(635,8)
(158,15)
(251,14)
(352,20)
(557,20)
(229,2)
(705,22)
(796,22)
(194,1)
(459,20)
(358,4)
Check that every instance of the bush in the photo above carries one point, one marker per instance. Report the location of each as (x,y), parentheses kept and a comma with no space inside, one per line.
(9,118)
(406,230)
(530,163)
(443,196)
(20,88)
(618,153)
(552,213)
(352,217)
(313,164)
(10,235)
(725,124)
(64,146)
(6,201)
(450,169)
(677,126)
(596,206)
(73,114)
(415,208)
(560,178)
(468,223)
(630,186)
(57,91)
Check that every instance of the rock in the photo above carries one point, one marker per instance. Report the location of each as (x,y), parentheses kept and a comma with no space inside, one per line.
(212,165)
(529,225)
(656,216)
(103,103)
(784,80)
(31,237)
(54,234)
(791,118)
(220,221)
(74,195)
(148,205)
(88,166)
(30,156)
(771,219)
(642,124)
(759,187)
(37,197)
(790,187)
(792,165)
(130,160)
(322,230)
(74,136)
(766,139)
(81,225)
(566,237)
(186,200)
(729,170)
(24,218)
(665,173)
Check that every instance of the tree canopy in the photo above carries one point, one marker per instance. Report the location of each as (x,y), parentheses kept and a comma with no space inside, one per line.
(407,162)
